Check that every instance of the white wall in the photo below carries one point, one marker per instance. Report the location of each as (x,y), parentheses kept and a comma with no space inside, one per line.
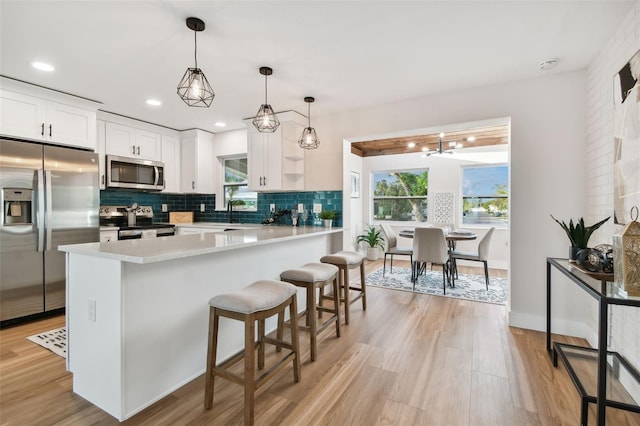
(625,322)
(547,171)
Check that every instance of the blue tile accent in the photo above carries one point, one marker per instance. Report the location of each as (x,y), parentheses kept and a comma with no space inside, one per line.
(330,200)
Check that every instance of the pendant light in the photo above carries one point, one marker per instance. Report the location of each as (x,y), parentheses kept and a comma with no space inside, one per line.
(265,120)
(194,88)
(309,138)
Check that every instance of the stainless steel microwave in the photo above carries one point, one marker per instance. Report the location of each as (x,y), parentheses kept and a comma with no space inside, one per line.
(134,173)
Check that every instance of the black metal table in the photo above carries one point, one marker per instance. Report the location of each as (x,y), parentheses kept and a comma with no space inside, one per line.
(600,288)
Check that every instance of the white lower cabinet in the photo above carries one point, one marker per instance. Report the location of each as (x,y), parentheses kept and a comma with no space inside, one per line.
(107,236)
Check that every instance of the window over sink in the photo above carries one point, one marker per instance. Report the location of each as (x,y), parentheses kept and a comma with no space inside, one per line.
(235,186)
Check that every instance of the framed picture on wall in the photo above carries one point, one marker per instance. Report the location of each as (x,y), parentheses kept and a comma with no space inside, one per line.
(355,185)
(626,158)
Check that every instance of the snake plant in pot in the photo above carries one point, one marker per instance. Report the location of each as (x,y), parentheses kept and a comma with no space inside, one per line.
(578,234)
(374,239)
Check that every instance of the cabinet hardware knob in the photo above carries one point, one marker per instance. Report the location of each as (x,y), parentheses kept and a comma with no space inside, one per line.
(42,130)
(133,150)
(193,184)
(138,150)
(103,179)
(50,126)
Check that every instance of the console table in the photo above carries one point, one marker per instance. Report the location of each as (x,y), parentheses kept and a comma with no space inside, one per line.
(594,372)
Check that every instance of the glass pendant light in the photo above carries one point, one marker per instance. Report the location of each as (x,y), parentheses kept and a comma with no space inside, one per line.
(194,88)
(309,139)
(265,120)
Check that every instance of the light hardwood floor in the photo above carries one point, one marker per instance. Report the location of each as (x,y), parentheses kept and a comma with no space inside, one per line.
(410,359)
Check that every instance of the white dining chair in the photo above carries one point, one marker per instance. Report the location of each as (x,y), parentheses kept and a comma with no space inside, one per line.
(482,255)
(430,245)
(392,248)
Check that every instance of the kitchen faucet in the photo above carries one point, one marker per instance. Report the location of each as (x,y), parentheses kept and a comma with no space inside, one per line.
(230,211)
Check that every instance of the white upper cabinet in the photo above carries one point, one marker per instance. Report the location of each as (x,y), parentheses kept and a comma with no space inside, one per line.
(127,141)
(171,158)
(275,161)
(198,176)
(100,130)
(31,112)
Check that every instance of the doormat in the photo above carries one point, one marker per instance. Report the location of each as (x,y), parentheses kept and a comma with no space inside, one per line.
(54,340)
(469,287)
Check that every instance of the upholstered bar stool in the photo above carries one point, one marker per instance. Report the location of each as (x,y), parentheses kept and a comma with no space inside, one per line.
(346,260)
(257,302)
(314,276)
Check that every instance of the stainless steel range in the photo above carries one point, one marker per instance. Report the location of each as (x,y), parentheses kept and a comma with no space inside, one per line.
(134,222)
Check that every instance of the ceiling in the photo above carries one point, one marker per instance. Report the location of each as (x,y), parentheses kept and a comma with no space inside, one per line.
(347,54)
(467,137)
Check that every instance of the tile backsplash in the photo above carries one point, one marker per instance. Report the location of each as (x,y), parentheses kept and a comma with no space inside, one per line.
(330,200)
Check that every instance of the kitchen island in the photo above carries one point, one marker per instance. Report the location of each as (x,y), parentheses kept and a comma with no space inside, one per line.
(137,310)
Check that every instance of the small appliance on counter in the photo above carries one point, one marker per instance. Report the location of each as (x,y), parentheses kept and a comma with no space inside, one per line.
(134,222)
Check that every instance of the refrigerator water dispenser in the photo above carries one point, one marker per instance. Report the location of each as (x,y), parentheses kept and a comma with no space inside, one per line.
(16,206)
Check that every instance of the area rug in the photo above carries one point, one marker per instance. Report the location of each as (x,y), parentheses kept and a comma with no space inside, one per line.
(469,287)
(54,340)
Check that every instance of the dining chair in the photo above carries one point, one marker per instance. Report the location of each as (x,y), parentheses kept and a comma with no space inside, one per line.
(482,255)
(430,245)
(392,249)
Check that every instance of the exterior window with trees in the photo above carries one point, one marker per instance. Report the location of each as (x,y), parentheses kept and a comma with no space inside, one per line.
(235,187)
(400,195)
(485,195)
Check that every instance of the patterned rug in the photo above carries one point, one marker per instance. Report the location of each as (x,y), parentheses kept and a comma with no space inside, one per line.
(470,287)
(54,340)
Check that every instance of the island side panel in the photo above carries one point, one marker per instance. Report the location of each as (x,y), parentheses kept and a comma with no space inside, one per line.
(94,345)
(166,311)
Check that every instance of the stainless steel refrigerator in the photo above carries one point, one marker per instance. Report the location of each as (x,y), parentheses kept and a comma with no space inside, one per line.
(50,197)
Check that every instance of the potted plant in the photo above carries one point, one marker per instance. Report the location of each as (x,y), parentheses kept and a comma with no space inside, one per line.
(373,237)
(578,234)
(327,216)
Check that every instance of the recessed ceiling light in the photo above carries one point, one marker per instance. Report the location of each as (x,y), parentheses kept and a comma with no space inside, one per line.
(411,144)
(425,149)
(153,102)
(471,139)
(42,66)
(220,124)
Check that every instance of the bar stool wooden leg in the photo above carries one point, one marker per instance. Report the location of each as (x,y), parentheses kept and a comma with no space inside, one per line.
(260,344)
(345,288)
(211,357)
(295,340)
(311,318)
(249,370)
(336,303)
(364,287)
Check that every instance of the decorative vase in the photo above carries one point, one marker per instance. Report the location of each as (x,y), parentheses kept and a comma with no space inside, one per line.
(372,253)
(573,254)
(327,223)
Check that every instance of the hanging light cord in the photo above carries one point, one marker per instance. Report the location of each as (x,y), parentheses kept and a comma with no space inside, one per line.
(195,49)
(309,113)
(265,89)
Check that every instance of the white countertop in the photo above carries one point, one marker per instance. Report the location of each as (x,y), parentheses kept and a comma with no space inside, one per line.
(161,249)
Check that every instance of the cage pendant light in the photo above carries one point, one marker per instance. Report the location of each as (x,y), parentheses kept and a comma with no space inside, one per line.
(194,88)
(309,138)
(265,120)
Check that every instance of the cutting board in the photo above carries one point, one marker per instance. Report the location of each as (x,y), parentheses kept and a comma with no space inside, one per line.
(181,217)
